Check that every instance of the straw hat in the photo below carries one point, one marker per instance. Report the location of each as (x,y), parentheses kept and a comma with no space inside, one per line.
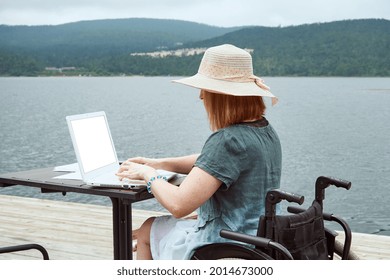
(227,69)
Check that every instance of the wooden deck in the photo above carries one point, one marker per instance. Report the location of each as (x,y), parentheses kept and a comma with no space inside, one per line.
(74,231)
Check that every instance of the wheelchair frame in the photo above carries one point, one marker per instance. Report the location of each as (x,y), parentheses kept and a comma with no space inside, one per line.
(265,247)
(25,247)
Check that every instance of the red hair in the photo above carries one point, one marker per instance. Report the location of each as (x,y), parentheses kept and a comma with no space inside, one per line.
(224,110)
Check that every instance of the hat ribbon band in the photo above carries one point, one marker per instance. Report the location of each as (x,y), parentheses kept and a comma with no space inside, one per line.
(244,79)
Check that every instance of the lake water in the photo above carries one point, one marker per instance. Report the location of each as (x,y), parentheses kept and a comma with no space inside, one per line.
(328,126)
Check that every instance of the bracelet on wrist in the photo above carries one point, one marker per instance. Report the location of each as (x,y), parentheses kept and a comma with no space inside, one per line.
(149,183)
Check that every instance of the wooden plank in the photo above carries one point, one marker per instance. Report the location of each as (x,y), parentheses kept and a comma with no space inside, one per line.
(75,231)
(369,246)
(67,230)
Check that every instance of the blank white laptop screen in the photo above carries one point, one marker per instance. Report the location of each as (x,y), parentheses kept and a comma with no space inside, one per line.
(93,142)
(94,149)
(96,153)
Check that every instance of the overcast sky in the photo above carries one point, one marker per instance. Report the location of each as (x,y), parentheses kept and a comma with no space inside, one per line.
(224,13)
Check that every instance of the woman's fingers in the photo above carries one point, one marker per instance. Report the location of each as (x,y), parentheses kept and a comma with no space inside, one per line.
(127,170)
(134,170)
(140,160)
(145,161)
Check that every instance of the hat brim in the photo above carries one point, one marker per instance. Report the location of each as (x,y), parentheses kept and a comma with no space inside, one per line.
(225,87)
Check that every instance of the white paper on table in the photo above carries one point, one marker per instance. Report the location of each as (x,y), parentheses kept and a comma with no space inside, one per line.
(68,167)
(72,168)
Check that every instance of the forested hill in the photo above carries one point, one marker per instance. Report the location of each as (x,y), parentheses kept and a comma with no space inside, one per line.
(342,48)
(130,35)
(104,47)
(28,49)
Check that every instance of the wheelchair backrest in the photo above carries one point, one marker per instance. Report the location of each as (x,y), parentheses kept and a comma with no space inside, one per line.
(303,234)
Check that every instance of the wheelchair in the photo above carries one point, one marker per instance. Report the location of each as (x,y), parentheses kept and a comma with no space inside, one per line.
(301,235)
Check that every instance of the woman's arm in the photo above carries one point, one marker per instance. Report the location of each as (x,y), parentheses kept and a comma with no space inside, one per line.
(195,190)
(181,165)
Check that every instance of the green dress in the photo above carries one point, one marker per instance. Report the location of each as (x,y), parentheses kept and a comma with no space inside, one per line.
(247,158)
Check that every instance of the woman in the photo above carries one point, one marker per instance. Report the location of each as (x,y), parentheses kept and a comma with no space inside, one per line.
(227,182)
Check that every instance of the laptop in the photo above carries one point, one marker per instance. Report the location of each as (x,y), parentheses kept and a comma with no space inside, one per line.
(95,152)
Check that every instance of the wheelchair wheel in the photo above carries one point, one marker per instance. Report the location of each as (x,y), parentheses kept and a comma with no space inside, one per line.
(220,251)
(338,252)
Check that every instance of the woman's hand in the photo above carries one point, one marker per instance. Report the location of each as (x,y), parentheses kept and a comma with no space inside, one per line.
(155,163)
(181,165)
(136,171)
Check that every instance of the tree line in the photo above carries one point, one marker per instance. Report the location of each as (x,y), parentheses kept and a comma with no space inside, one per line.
(342,48)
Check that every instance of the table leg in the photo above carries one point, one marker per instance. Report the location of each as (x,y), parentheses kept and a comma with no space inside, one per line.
(122,229)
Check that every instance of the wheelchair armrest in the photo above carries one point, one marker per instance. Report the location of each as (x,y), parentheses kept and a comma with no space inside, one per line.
(25,247)
(260,242)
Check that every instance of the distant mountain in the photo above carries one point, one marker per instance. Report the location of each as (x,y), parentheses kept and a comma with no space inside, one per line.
(341,48)
(132,35)
(80,42)
(103,47)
